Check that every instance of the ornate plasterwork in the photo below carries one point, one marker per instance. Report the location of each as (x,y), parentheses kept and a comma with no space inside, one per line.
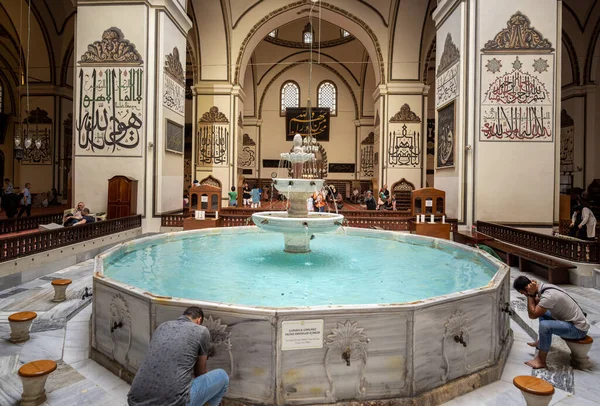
(370,140)
(113,48)
(449,57)
(247,141)
(210,181)
(377,120)
(518,35)
(565,119)
(37,116)
(173,66)
(350,340)
(219,337)
(295,4)
(213,115)
(240,120)
(405,115)
(119,318)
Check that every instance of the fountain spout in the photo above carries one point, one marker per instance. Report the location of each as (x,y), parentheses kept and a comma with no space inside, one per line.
(116,326)
(346,356)
(265,221)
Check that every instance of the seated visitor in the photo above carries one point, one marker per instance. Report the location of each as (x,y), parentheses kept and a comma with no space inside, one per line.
(388,205)
(558,312)
(174,370)
(71,218)
(370,201)
(53,198)
(85,218)
(583,223)
(196,183)
(355,195)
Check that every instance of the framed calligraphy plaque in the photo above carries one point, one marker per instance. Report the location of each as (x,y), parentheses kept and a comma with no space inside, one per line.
(298,122)
(517,98)
(446,137)
(174,137)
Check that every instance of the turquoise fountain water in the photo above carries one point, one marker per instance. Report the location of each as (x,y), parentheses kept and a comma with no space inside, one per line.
(249,268)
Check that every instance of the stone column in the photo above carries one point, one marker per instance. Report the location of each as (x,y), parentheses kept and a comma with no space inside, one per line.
(404,143)
(498,103)
(129,102)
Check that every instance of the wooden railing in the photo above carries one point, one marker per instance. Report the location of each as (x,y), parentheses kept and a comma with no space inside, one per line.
(18,224)
(29,244)
(387,220)
(570,249)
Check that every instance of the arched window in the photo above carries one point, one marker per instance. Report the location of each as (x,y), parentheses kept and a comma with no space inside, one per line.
(327,96)
(290,95)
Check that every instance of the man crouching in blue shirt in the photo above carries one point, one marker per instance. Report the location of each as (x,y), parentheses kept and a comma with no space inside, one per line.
(174,371)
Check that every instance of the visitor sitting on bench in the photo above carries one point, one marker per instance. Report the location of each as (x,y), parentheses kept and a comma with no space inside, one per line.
(583,224)
(558,312)
(85,218)
(370,201)
(174,370)
(71,218)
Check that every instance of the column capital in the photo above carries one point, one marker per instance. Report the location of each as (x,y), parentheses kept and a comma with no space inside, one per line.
(253,122)
(380,90)
(208,88)
(239,92)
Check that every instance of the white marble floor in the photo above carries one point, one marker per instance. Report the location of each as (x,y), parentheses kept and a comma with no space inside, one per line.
(62,333)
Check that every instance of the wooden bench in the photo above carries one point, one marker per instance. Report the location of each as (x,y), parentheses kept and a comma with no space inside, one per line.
(555,271)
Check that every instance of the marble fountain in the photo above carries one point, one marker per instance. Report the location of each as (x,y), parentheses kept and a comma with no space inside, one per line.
(361,315)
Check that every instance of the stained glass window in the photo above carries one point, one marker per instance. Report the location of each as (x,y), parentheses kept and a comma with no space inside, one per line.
(290,95)
(273,34)
(345,33)
(327,96)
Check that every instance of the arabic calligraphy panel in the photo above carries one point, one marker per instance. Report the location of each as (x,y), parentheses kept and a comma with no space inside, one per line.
(446,137)
(174,96)
(517,103)
(447,86)
(174,137)
(297,122)
(110,115)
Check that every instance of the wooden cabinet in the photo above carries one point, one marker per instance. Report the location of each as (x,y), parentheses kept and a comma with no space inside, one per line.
(122,197)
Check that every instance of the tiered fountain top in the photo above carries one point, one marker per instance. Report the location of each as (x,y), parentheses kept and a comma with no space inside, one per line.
(297,224)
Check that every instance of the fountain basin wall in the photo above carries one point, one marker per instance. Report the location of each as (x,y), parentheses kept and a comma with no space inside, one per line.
(396,350)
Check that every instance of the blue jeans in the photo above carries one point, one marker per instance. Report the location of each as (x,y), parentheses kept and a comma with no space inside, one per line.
(564,329)
(209,388)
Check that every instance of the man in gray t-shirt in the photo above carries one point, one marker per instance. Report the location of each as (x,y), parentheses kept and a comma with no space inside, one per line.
(174,371)
(559,314)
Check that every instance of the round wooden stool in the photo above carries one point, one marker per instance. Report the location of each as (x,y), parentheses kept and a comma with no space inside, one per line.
(536,391)
(34,375)
(579,352)
(60,289)
(20,323)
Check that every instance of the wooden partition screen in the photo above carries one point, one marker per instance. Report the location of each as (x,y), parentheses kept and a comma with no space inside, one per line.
(429,201)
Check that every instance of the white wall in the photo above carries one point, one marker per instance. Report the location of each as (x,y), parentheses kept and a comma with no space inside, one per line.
(341,146)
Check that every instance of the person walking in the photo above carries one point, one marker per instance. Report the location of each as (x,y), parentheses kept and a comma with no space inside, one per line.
(26,207)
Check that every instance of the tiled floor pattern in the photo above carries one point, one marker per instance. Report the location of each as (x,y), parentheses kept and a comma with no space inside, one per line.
(62,333)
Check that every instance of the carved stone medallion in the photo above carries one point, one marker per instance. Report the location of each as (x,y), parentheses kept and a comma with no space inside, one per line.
(213,116)
(405,115)
(173,66)
(113,48)
(518,35)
